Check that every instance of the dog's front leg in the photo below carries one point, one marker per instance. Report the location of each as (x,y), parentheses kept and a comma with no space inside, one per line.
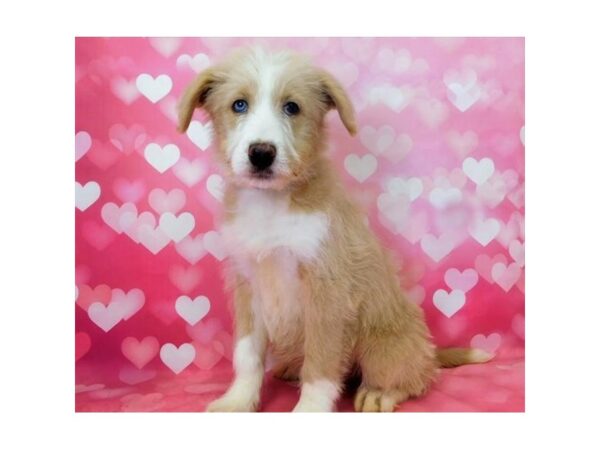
(325,353)
(248,357)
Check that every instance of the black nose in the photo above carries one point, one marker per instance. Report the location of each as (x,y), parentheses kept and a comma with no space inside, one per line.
(261,155)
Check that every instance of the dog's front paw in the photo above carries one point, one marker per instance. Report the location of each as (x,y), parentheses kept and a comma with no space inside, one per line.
(233,403)
(317,396)
(310,405)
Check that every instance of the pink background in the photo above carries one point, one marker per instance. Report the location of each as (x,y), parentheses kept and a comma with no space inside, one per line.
(438,164)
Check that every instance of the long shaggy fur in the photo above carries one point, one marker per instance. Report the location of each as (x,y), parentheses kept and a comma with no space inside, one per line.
(330,310)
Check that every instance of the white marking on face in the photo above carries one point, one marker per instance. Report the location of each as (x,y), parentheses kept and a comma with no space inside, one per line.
(318,396)
(264,121)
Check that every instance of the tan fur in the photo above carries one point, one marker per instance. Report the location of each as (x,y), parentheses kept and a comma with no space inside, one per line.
(354,312)
(244,317)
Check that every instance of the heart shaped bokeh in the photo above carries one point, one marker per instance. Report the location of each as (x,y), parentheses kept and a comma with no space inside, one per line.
(437,165)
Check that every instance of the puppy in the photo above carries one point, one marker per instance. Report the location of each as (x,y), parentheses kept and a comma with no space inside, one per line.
(310,282)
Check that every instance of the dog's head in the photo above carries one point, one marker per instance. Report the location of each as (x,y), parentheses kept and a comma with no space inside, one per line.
(268,114)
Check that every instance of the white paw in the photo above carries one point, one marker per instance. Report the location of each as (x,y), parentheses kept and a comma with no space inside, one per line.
(310,406)
(317,396)
(233,403)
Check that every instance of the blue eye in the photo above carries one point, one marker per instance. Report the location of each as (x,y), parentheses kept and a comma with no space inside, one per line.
(291,108)
(240,106)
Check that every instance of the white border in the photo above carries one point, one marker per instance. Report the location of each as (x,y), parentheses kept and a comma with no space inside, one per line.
(37,223)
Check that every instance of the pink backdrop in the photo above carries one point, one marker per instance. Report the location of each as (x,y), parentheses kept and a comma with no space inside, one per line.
(438,163)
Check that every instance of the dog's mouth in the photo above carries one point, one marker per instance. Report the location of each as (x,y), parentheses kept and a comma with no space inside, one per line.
(266,174)
(263,179)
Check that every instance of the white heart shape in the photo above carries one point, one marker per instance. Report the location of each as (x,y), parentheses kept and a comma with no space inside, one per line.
(192,311)
(200,134)
(163,202)
(86,196)
(443,198)
(506,276)
(398,61)
(124,90)
(106,317)
(492,192)
(449,303)
(360,168)
(131,223)
(394,97)
(478,171)
(463,281)
(161,158)
(175,358)
(484,231)
(377,140)
(153,88)
(83,142)
(413,187)
(111,214)
(437,248)
(191,249)
(177,227)
(153,239)
(189,172)
(462,88)
(462,97)
(166,46)
(131,301)
(197,63)
(487,343)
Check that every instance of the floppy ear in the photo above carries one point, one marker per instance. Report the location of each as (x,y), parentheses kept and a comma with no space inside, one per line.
(194,97)
(337,98)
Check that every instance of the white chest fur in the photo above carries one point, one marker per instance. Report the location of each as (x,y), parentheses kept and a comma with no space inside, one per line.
(263,223)
(268,242)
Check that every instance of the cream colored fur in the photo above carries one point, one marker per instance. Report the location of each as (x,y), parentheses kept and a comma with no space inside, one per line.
(310,280)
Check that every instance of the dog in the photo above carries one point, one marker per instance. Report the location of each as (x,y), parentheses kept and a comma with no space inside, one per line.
(310,281)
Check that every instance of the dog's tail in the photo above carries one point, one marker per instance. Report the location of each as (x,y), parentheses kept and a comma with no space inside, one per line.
(453,357)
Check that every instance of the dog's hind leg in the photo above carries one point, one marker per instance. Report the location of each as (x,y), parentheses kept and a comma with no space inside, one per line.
(393,368)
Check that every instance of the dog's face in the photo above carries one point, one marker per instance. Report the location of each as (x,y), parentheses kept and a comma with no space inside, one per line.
(268,111)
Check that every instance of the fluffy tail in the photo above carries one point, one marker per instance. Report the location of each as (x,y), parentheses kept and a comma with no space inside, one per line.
(453,357)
